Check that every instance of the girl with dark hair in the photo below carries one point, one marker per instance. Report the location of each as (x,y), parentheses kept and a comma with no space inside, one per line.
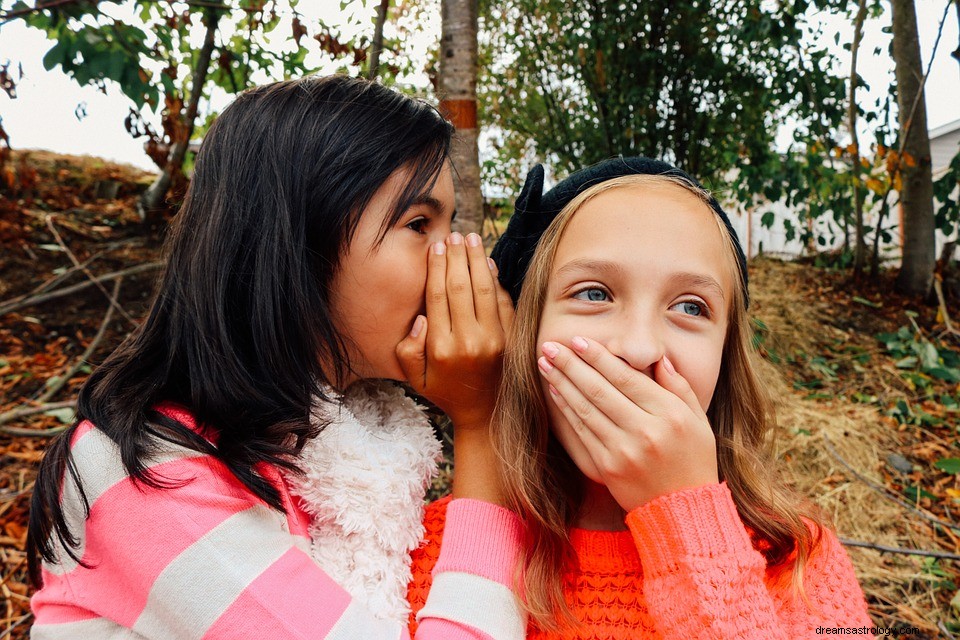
(312,256)
(634,431)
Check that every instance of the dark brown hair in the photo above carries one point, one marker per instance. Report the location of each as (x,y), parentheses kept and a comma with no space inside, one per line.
(241,322)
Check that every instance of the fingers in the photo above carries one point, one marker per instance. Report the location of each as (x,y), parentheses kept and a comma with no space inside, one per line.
(437,308)
(671,380)
(412,354)
(505,308)
(638,388)
(589,423)
(592,387)
(483,281)
(458,284)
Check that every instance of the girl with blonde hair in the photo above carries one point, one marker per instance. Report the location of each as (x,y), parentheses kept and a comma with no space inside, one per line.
(633,429)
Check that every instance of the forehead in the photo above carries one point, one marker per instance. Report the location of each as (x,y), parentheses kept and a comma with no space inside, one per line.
(649,230)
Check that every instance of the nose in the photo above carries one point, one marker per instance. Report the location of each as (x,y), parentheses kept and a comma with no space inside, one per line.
(639,341)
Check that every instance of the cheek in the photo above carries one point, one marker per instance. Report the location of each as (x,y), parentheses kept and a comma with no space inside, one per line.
(397,285)
(702,373)
(558,328)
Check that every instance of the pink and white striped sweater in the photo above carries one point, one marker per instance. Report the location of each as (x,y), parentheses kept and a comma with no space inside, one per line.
(208,559)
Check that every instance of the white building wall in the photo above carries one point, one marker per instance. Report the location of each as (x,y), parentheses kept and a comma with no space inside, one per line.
(944,144)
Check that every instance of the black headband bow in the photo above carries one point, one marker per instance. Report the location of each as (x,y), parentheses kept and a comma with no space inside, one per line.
(535,210)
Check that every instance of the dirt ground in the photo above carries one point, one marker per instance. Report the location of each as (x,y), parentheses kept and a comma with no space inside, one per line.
(835,385)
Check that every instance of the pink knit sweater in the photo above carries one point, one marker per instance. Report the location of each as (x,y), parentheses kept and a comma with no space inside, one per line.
(206,558)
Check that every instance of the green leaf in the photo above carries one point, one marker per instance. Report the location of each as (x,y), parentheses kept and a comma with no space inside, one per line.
(950,465)
(941,373)
(915,492)
(869,303)
(906,363)
(56,55)
(928,355)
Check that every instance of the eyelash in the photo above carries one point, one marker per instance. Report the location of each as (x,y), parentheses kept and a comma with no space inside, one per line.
(704,309)
(592,287)
(421,222)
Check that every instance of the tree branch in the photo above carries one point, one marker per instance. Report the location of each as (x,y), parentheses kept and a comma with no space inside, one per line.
(53,389)
(154,195)
(923,82)
(943,555)
(377,45)
(113,300)
(23,412)
(19,303)
(890,495)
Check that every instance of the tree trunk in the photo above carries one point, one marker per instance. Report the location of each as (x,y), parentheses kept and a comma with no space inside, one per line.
(916,197)
(458,92)
(859,246)
(153,197)
(377,46)
(956,52)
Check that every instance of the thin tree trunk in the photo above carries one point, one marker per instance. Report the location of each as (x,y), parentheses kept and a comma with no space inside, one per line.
(377,46)
(878,233)
(916,197)
(956,52)
(458,91)
(153,197)
(859,246)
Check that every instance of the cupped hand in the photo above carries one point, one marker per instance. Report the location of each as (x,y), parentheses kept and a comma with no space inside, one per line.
(646,437)
(453,356)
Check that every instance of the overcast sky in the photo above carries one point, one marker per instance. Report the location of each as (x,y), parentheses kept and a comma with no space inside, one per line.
(43,115)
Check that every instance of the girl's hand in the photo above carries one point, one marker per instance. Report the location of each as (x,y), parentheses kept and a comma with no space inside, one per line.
(453,356)
(646,437)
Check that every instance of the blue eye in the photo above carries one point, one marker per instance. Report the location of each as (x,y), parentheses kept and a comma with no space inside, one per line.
(691,308)
(417,225)
(591,294)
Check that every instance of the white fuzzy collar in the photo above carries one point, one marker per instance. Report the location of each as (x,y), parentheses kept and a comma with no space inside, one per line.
(366,476)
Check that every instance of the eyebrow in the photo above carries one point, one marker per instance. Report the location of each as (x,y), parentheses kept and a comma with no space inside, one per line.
(698,280)
(583,264)
(428,200)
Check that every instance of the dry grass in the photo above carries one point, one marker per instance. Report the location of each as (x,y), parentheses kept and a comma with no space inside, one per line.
(898,588)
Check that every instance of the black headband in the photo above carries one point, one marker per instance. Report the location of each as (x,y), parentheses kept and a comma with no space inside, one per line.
(535,210)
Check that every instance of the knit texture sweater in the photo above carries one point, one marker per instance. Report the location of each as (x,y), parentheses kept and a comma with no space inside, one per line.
(686,568)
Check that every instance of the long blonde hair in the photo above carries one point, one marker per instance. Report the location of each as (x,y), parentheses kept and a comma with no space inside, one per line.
(545,487)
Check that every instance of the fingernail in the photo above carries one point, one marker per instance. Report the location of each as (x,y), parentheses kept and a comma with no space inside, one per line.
(417,326)
(550,349)
(553,390)
(668,365)
(492,264)
(473,240)
(579,344)
(545,366)
(439,248)
(456,238)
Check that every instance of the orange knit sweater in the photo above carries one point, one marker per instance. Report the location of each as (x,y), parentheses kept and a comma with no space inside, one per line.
(685,569)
